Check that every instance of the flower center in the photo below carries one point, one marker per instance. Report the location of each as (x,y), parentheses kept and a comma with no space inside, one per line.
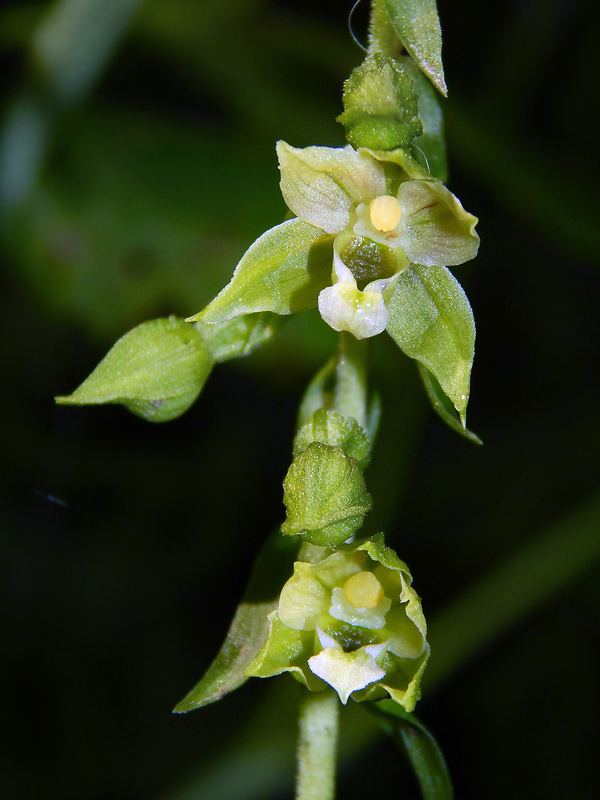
(363,590)
(385,213)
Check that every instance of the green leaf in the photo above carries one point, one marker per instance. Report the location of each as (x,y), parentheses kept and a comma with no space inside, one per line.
(341,385)
(420,747)
(250,626)
(283,272)
(432,142)
(238,336)
(442,406)
(334,430)
(325,496)
(157,371)
(380,108)
(417,25)
(431,321)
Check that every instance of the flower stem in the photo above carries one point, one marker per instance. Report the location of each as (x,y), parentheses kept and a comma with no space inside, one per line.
(317,744)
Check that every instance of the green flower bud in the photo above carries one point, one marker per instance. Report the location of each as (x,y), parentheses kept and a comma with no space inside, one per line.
(380,108)
(351,621)
(157,371)
(325,496)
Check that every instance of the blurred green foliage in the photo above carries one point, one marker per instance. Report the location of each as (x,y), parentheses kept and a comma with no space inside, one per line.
(130,193)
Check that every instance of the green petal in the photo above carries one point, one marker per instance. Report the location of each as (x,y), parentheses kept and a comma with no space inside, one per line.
(439,232)
(431,321)
(335,430)
(283,272)
(321,184)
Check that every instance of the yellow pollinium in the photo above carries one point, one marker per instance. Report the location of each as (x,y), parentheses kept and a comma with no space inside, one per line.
(363,590)
(385,213)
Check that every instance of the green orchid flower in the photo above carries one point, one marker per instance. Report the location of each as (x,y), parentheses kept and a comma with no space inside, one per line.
(350,621)
(370,243)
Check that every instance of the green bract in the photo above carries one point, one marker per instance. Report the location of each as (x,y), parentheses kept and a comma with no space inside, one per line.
(156,371)
(372,216)
(351,621)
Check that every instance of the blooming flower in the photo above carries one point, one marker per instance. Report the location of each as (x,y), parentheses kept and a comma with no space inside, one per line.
(383,220)
(352,621)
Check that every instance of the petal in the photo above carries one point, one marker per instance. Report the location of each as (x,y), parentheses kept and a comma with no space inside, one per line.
(439,232)
(346,672)
(321,184)
(302,599)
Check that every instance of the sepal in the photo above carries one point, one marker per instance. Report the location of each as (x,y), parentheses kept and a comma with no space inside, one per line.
(431,321)
(282,272)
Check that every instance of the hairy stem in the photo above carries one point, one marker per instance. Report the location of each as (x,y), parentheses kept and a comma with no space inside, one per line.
(317,744)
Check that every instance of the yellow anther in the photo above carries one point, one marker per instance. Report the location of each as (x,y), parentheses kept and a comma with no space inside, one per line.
(363,590)
(385,213)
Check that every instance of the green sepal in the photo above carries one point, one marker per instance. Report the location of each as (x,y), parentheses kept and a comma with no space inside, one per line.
(432,141)
(417,25)
(420,747)
(238,336)
(250,626)
(431,321)
(334,430)
(286,650)
(283,272)
(325,496)
(156,371)
(442,405)
(380,108)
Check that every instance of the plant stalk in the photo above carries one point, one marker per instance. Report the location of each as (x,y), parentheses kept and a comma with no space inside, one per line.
(317,745)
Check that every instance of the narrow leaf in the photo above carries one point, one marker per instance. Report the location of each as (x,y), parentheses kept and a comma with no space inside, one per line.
(420,747)
(249,628)
(283,271)
(417,25)
(431,321)
(239,336)
(442,406)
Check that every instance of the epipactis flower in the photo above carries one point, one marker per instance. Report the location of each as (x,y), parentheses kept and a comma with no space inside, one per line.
(352,621)
(383,220)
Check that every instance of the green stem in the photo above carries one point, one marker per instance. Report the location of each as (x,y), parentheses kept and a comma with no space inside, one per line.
(317,744)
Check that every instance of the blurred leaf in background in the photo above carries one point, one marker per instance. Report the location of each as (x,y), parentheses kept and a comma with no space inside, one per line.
(137,164)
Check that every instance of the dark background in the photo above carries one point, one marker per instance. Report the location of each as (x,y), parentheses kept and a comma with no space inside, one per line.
(124,546)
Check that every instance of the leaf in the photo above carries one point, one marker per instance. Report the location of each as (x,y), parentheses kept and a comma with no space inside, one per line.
(341,385)
(157,371)
(283,272)
(431,321)
(249,629)
(432,142)
(417,25)
(442,406)
(420,747)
